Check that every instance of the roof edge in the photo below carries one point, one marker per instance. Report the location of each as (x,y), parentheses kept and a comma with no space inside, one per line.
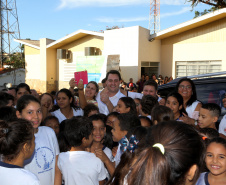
(25,43)
(187,23)
(75,33)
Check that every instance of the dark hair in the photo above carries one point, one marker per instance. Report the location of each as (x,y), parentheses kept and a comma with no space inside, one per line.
(63,144)
(128,121)
(50,118)
(161,113)
(213,108)
(13,135)
(76,129)
(183,149)
(207,134)
(108,141)
(218,140)
(147,103)
(7,113)
(4,98)
(129,103)
(94,83)
(97,117)
(194,95)
(113,72)
(127,157)
(145,118)
(69,95)
(151,82)
(103,81)
(88,108)
(210,133)
(53,93)
(24,100)
(23,85)
(48,95)
(115,114)
(179,99)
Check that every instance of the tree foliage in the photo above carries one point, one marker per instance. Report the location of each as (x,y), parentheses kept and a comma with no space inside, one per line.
(216,4)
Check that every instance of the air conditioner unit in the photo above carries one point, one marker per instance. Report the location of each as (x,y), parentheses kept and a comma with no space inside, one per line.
(63,54)
(90,51)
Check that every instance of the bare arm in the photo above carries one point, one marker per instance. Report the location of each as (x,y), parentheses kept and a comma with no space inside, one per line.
(101,182)
(82,98)
(72,85)
(105,99)
(103,157)
(189,120)
(58,176)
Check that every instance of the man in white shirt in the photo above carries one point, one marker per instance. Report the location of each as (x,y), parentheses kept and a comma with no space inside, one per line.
(150,88)
(108,98)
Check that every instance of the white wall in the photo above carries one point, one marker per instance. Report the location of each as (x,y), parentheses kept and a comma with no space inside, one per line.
(33,67)
(123,42)
(8,77)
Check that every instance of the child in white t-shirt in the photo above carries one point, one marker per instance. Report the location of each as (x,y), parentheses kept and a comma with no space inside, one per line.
(99,132)
(17,143)
(77,165)
(43,161)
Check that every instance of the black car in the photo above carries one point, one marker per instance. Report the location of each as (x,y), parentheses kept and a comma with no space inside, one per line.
(209,89)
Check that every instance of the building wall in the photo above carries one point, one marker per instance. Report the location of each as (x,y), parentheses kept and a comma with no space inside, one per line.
(51,71)
(202,43)
(33,67)
(78,49)
(124,42)
(41,67)
(148,51)
(31,51)
(87,41)
(9,77)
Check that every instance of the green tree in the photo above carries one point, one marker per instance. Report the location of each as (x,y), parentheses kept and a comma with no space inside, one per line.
(216,4)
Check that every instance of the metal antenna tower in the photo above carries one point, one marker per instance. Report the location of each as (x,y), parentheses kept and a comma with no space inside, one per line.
(9,30)
(154,17)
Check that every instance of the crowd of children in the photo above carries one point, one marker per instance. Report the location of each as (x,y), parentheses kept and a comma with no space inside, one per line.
(111,137)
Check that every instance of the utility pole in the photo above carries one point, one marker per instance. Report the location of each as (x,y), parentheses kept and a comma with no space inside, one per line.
(9,30)
(154,17)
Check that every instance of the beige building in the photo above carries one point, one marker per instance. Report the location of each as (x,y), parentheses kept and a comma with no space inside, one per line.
(193,47)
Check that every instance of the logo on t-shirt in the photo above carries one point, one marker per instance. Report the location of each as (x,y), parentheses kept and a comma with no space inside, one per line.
(44,157)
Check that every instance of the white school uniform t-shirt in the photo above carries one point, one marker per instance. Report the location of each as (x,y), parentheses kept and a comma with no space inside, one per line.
(118,155)
(44,157)
(61,117)
(15,175)
(81,168)
(191,110)
(108,153)
(114,100)
(134,95)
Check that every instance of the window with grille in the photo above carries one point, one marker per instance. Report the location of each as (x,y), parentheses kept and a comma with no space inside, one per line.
(189,68)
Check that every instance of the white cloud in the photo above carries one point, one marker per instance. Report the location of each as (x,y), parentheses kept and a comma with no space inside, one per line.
(174,2)
(182,11)
(135,19)
(98,3)
(112,3)
(115,20)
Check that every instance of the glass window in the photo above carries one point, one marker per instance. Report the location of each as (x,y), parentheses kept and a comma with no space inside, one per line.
(189,68)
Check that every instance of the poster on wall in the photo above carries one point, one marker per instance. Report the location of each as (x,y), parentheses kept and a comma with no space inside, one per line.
(113,62)
(92,64)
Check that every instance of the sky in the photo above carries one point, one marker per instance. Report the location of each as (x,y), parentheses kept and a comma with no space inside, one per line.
(55,19)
